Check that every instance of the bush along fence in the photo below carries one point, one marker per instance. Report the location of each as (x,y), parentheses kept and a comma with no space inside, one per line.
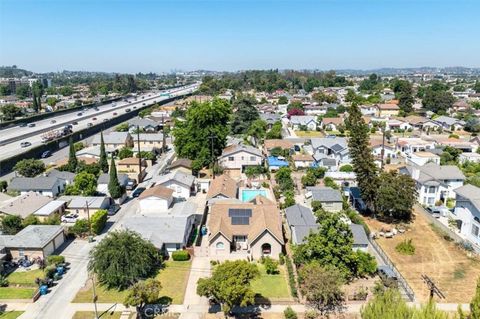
(401,280)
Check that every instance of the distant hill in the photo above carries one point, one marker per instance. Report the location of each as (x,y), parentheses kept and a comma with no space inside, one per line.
(13,72)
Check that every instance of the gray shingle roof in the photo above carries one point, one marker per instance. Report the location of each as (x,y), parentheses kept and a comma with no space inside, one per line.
(39,183)
(359,235)
(329,142)
(298,215)
(325,194)
(178,176)
(105,178)
(112,138)
(432,172)
(471,193)
(302,119)
(34,236)
(142,122)
(66,176)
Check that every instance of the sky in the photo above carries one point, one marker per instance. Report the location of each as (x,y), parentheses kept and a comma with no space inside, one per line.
(229,35)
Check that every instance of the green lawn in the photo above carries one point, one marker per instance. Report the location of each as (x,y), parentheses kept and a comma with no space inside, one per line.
(25,278)
(271,286)
(309,134)
(91,315)
(173,279)
(16,293)
(11,314)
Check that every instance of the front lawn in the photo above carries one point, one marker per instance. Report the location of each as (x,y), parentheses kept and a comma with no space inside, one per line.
(11,314)
(173,277)
(25,278)
(16,293)
(309,134)
(271,286)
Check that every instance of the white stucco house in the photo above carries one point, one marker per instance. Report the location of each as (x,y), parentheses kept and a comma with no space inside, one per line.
(182,184)
(467,210)
(239,156)
(422,158)
(155,199)
(296,121)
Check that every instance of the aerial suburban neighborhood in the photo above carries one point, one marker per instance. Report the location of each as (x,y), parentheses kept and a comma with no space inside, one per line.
(235,188)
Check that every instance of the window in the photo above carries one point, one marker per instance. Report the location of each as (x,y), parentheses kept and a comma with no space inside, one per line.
(231,158)
(252,158)
(475,230)
(266,249)
(431,189)
(220,245)
(178,246)
(21,252)
(431,201)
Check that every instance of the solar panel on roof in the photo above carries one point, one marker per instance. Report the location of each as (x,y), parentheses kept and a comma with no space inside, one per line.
(240,220)
(240,212)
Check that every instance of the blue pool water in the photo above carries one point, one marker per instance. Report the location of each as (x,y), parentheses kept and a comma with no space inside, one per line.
(249,194)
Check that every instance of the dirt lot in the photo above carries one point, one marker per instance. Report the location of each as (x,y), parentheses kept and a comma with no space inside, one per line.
(449,266)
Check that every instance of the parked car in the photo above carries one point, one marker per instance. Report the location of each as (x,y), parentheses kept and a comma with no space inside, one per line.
(105,120)
(96,109)
(434,211)
(31,125)
(134,107)
(388,276)
(131,184)
(70,218)
(25,144)
(138,191)
(143,104)
(112,210)
(79,114)
(53,122)
(46,154)
(75,123)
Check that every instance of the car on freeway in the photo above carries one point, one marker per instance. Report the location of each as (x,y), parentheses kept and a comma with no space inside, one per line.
(94,119)
(143,97)
(25,144)
(138,191)
(127,110)
(96,109)
(70,218)
(134,107)
(143,104)
(89,124)
(23,125)
(46,154)
(75,123)
(79,114)
(53,122)
(31,125)
(105,120)
(115,113)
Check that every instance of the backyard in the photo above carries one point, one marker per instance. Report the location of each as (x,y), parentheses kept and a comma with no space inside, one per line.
(11,314)
(173,278)
(272,287)
(448,265)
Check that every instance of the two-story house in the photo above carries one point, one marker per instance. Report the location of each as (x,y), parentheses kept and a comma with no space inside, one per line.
(239,156)
(467,210)
(330,149)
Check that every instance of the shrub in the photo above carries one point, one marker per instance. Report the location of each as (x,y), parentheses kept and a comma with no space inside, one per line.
(291,276)
(55,260)
(289,313)
(180,255)
(281,258)
(311,314)
(346,168)
(50,271)
(3,281)
(271,266)
(98,221)
(80,228)
(405,247)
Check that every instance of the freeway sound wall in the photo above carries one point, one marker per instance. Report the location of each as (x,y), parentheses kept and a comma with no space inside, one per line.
(6,165)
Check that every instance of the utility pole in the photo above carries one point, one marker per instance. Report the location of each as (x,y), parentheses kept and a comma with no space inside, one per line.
(88,218)
(164,137)
(139,156)
(212,137)
(383,145)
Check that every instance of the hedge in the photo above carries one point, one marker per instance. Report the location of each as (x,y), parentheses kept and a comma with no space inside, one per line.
(55,260)
(98,221)
(180,255)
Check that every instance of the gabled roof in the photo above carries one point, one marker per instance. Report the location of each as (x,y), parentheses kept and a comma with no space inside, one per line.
(112,138)
(471,193)
(389,107)
(223,185)
(431,172)
(38,183)
(65,175)
(265,217)
(158,191)
(329,142)
(142,122)
(302,119)
(298,215)
(177,176)
(182,162)
(325,194)
(80,202)
(359,235)
(24,205)
(232,149)
(105,179)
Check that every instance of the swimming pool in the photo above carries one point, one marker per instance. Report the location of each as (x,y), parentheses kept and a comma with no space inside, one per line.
(249,194)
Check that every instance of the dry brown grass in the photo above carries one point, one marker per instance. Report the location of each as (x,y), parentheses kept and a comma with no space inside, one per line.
(454,272)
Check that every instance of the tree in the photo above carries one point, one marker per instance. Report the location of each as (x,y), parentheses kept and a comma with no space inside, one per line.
(125,152)
(245,114)
(276,131)
(387,305)
(322,287)
(84,184)
(282,99)
(449,155)
(103,162)
(11,224)
(437,100)
(114,187)
(371,83)
(396,196)
(258,130)
(295,105)
(346,168)
(10,112)
(122,258)
(294,112)
(476,87)
(30,220)
(206,125)
(98,221)
(229,284)
(141,294)
(123,127)
(284,179)
(72,157)
(331,245)
(4,90)
(3,186)
(22,91)
(404,93)
(475,303)
(35,103)
(29,167)
(362,156)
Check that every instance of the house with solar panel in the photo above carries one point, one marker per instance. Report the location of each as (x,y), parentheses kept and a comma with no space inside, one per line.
(250,230)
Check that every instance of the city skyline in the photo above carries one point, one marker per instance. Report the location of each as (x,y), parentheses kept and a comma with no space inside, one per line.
(148,36)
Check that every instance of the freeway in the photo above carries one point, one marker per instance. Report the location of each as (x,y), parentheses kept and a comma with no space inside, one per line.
(11,138)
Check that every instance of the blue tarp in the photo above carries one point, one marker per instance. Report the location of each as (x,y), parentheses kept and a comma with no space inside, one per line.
(274,161)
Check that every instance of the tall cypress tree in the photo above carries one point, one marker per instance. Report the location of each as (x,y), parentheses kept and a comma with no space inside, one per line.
(103,155)
(35,102)
(362,157)
(39,103)
(72,157)
(114,187)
